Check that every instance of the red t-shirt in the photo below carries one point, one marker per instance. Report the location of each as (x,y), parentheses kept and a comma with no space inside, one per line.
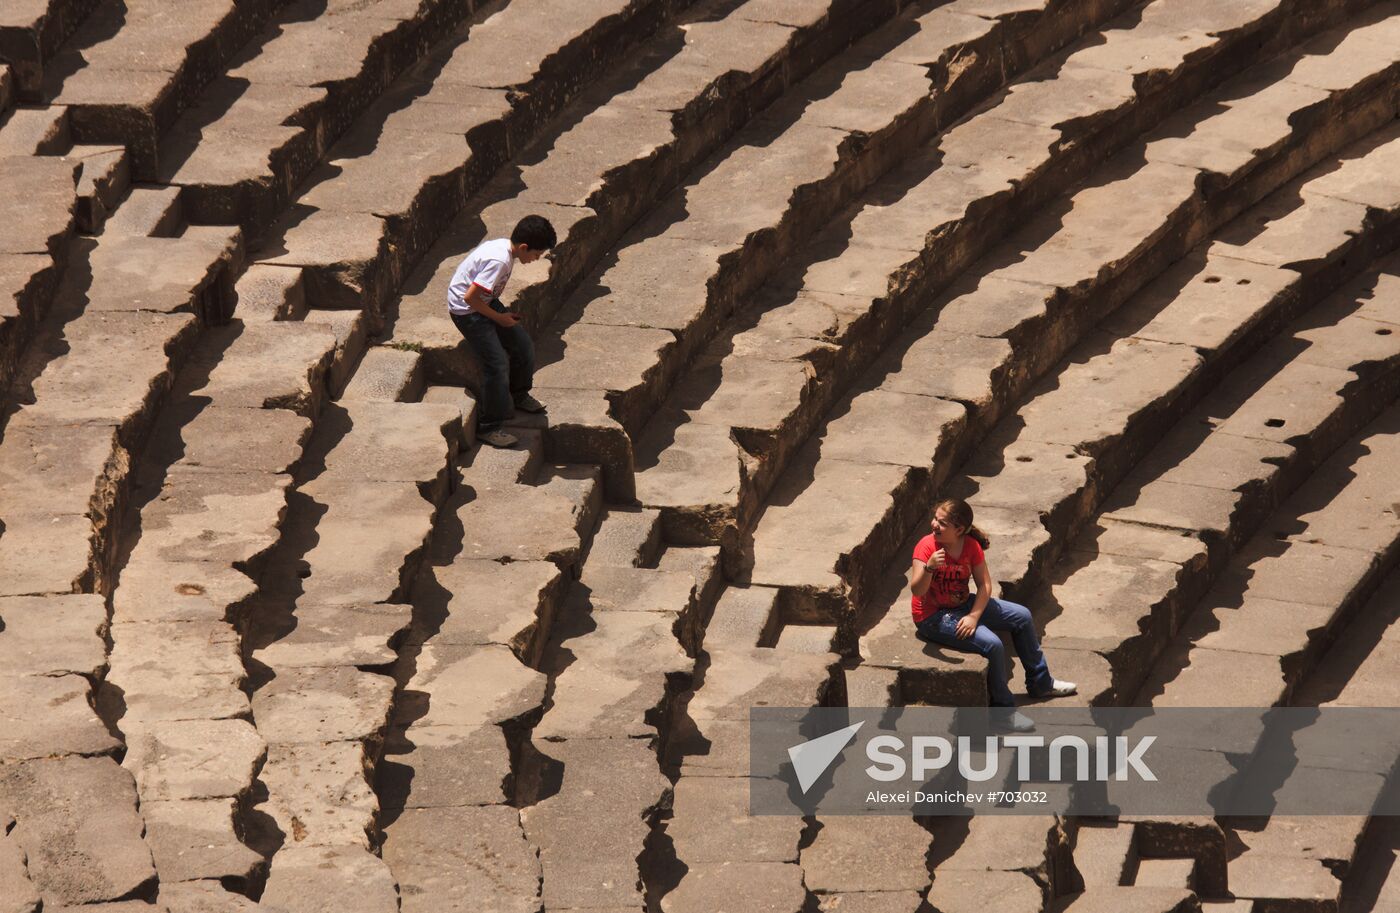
(949,588)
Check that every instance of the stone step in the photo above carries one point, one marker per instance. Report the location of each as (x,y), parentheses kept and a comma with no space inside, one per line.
(31,130)
(89,806)
(794,170)
(151,211)
(890,496)
(591,830)
(1105,856)
(1130,900)
(1002,859)
(825,320)
(462,859)
(1239,625)
(129,70)
(387,375)
(104,176)
(1165,534)
(38,196)
(31,33)
(687,90)
(52,646)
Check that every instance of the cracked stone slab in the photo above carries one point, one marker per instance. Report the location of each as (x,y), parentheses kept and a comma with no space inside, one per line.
(302,706)
(387,442)
(200,436)
(40,216)
(867,853)
(487,602)
(156,591)
(216,517)
(77,387)
(317,794)
(78,825)
(159,275)
(738,680)
(442,766)
(47,635)
(322,636)
(610,670)
(463,859)
(710,823)
(468,687)
(194,839)
(501,518)
(205,656)
(590,833)
(277,365)
(54,469)
(193,759)
(966,892)
(738,887)
(315,879)
(45,716)
(366,540)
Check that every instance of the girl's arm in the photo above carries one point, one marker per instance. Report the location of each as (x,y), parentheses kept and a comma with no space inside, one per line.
(968,623)
(920,578)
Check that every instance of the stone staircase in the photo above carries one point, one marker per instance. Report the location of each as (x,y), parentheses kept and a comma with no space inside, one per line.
(1119,273)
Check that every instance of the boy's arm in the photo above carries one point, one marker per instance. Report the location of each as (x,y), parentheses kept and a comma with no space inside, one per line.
(480,302)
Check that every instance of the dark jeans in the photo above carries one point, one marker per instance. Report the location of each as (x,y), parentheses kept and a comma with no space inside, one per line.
(507,357)
(1000,615)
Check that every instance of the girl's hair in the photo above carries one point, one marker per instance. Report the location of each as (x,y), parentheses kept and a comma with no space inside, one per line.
(960,514)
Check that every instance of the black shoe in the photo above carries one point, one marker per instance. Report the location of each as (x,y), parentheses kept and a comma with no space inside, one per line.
(528,403)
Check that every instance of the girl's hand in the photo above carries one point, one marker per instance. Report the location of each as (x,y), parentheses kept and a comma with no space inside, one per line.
(939,559)
(967,626)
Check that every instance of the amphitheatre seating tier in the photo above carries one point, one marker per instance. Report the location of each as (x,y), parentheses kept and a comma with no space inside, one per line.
(31,32)
(1093,256)
(844,307)
(643,130)
(820,261)
(130,68)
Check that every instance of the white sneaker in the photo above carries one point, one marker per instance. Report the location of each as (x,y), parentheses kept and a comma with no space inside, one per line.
(498,438)
(1059,689)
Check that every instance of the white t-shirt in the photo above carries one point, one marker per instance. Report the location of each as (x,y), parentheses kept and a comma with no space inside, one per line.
(488,265)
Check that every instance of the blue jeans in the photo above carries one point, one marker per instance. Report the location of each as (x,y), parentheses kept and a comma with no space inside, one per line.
(941,628)
(507,357)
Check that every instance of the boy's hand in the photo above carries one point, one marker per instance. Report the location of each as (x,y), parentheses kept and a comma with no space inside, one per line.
(506,320)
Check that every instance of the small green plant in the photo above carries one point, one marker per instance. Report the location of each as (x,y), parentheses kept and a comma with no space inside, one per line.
(404,346)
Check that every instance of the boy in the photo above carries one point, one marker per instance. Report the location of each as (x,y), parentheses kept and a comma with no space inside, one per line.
(501,344)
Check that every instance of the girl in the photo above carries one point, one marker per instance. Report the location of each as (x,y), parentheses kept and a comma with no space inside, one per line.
(946,613)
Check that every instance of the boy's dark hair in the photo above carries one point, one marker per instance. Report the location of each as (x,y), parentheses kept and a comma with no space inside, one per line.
(534,231)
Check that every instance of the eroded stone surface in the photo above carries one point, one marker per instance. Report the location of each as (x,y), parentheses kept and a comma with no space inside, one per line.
(466,859)
(78,825)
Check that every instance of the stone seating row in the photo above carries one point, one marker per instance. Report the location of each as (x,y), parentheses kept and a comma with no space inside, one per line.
(1155,387)
(804,347)
(646,125)
(792,180)
(130,68)
(1331,377)
(1009,321)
